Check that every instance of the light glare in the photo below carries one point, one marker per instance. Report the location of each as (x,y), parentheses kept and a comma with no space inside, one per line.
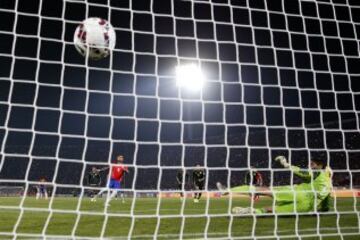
(190,77)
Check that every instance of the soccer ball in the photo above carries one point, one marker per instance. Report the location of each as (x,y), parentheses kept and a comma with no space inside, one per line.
(94,38)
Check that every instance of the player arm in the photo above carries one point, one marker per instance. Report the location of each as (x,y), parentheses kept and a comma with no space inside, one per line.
(324,187)
(187,178)
(89,178)
(329,174)
(260,179)
(178,178)
(103,169)
(323,193)
(304,174)
(247,178)
(323,196)
(203,178)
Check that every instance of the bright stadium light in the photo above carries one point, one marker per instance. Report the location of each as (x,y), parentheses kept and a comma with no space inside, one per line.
(189,76)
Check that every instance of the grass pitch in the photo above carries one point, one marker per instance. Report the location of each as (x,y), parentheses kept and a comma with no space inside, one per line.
(209,218)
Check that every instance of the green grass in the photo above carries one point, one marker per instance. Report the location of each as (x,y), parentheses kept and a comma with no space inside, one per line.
(119,223)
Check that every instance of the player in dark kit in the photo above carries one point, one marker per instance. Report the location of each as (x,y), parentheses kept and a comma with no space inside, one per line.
(199,181)
(181,181)
(254,178)
(94,179)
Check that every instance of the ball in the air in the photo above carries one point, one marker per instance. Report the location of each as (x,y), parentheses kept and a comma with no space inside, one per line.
(94,38)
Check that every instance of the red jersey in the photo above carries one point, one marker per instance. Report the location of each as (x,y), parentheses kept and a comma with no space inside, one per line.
(117,172)
(259,180)
(255,179)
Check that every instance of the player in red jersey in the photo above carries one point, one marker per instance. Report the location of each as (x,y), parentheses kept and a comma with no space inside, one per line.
(117,175)
(254,178)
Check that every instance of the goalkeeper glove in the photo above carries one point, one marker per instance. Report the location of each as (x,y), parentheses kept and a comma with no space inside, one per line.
(282,160)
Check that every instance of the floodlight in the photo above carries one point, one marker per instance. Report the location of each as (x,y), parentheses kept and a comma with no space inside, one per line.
(190,77)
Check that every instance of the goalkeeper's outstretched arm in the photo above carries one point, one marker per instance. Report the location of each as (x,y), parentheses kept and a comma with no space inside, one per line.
(304,174)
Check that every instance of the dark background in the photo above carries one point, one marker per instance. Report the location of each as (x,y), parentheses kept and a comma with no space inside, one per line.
(282,78)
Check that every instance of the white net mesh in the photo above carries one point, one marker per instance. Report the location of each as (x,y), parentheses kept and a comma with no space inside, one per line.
(281,79)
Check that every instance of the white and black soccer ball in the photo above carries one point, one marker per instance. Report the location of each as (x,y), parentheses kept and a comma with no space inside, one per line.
(94,38)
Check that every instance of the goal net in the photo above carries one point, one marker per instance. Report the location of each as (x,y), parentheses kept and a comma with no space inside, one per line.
(281,78)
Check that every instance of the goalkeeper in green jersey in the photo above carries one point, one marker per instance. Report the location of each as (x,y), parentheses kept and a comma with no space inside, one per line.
(312,195)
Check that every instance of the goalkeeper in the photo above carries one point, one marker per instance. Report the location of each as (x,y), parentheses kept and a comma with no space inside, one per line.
(312,195)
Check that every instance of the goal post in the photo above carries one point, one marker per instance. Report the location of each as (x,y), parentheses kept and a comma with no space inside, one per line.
(217,89)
